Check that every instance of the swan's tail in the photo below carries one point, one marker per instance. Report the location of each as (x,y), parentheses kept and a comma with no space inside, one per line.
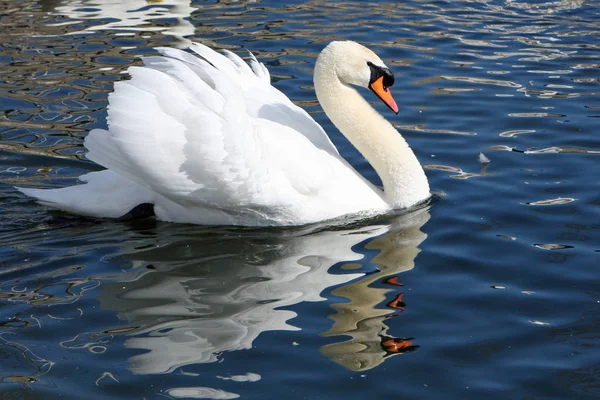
(106,194)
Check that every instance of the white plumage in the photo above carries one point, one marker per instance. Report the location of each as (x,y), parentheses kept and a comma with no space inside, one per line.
(208,140)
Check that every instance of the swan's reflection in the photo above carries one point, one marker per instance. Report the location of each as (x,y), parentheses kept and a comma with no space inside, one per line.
(130,15)
(195,293)
(361,318)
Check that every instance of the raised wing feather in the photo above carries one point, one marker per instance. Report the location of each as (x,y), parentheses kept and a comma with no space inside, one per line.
(262,100)
(212,131)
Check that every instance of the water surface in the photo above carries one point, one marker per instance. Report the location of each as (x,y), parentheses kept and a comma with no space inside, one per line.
(491,290)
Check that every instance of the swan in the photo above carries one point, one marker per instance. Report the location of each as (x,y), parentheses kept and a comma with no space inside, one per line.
(206,139)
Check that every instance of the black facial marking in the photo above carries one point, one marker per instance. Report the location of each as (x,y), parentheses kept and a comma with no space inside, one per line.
(377,72)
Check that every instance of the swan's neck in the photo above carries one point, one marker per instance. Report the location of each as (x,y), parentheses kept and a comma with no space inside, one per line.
(403,178)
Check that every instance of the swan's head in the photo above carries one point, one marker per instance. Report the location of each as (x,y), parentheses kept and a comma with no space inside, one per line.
(356,65)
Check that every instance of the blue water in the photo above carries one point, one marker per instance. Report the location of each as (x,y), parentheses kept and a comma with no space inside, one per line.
(491,290)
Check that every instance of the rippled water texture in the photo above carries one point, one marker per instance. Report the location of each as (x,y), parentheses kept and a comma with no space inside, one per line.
(490,291)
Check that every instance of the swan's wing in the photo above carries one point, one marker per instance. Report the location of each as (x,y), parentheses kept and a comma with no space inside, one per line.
(212,131)
(262,100)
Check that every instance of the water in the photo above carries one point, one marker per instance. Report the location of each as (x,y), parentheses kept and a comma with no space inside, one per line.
(489,291)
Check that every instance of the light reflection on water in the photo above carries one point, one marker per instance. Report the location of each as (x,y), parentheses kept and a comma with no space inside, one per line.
(129,16)
(503,303)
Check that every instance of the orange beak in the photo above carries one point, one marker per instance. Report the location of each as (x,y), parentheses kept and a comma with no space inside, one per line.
(384,94)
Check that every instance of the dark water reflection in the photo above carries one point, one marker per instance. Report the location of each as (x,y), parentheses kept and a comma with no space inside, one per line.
(503,298)
(187,296)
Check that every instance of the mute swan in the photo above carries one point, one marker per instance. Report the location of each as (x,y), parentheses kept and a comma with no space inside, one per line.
(208,140)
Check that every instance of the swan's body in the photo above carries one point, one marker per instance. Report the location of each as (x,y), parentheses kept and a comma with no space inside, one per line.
(209,141)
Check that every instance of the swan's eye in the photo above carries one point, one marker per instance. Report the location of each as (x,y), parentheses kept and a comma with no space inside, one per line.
(377,72)
(388,78)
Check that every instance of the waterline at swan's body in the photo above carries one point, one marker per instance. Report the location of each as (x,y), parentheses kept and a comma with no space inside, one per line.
(208,140)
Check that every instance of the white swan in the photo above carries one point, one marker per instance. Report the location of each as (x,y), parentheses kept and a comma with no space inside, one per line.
(208,140)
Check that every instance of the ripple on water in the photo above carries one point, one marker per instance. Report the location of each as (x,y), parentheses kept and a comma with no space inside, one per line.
(493,296)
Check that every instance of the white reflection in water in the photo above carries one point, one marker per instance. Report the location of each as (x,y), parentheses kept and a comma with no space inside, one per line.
(546,7)
(131,15)
(213,292)
(201,393)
